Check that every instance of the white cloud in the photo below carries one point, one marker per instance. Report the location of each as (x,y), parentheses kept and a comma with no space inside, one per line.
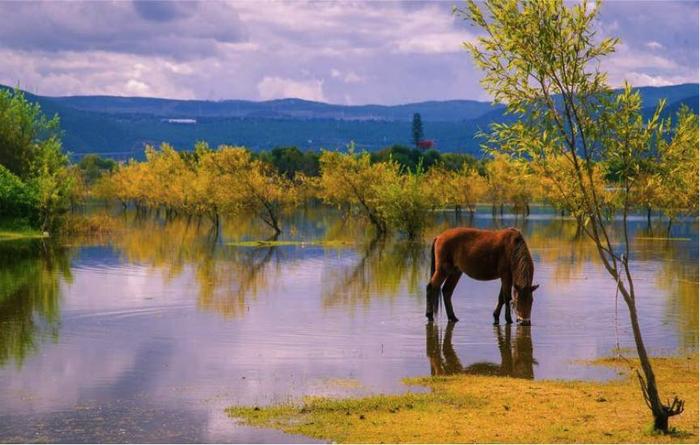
(279,88)
(434,43)
(630,58)
(349,77)
(137,88)
(654,45)
(643,67)
(643,79)
(96,72)
(353,77)
(374,52)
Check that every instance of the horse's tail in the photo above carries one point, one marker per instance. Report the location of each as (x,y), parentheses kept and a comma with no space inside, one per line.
(432,259)
(433,294)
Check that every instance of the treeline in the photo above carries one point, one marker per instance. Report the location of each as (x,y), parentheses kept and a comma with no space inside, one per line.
(395,188)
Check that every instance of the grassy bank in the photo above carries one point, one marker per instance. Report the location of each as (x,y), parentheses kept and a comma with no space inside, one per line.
(9,232)
(496,409)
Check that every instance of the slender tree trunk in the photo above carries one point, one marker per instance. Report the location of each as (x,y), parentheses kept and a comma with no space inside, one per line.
(649,389)
(649,217)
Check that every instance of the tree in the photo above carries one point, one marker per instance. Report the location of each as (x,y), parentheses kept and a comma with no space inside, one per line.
(676,177)
(238,183)
(498,182)
(408,158)
(404,202)
(267,193)
(25,133)
(417,129)
(540,58)
(93,166)
(30,149)
(17,199)
(351,180)
(458,189)
(290,160)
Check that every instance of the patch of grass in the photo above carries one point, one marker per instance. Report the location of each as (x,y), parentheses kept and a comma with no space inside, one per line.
(329,243)
(662,238)
(17,234)
(17,229)
(468,408)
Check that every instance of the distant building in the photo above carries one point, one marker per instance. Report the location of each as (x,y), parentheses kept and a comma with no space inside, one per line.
(181,121)
(425,144)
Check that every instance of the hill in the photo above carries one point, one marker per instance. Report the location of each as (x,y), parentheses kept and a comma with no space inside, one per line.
(120,126)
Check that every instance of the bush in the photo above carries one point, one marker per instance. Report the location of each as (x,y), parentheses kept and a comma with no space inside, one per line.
(405,202)
(17,199)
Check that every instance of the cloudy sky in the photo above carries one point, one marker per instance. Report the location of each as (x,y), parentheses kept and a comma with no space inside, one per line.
(340,52)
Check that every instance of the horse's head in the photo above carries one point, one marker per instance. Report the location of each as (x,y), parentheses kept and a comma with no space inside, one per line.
(522,303)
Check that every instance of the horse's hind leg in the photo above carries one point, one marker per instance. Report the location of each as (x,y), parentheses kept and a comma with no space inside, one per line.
(432,293)
(499,305)
(447,291)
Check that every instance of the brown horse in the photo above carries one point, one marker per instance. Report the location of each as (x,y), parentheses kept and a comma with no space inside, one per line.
(483,255)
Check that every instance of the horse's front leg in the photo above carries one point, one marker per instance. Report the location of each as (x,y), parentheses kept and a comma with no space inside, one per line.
(506,291)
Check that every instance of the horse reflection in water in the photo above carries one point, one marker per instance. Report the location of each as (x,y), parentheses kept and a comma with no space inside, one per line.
(516,355)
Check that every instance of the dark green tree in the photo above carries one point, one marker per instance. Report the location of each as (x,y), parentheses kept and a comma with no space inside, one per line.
(25,133)
(417,129)
(33,160)
(93,166)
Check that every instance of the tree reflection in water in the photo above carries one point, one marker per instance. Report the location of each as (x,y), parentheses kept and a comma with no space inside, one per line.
(516,356)
(30,293)
(382,270)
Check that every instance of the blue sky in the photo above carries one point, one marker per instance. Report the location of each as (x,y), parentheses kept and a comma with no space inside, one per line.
(341,52)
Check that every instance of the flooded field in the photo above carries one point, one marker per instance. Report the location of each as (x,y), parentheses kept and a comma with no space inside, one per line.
(148,334)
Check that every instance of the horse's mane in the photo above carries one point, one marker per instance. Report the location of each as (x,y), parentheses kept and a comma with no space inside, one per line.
(521,262)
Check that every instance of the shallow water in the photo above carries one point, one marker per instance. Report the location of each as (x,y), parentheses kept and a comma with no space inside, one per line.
(149,335)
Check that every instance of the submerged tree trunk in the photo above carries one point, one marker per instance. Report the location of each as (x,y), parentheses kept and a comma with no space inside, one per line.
(269,216)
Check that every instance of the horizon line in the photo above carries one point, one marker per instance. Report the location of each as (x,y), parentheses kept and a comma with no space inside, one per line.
(298,98)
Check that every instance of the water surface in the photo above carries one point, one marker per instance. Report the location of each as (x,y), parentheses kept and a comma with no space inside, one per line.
(146,336)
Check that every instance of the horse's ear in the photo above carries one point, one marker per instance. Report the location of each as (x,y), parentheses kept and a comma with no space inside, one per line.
(532,289)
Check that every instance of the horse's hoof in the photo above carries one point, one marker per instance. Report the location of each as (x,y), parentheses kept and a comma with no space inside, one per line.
(429,317)
(495,323)
(509,321)
(454,319)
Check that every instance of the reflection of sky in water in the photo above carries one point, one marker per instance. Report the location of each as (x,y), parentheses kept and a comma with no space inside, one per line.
(154,340)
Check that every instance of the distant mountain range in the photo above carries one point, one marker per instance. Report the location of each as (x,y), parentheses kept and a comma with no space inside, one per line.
(119,127)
